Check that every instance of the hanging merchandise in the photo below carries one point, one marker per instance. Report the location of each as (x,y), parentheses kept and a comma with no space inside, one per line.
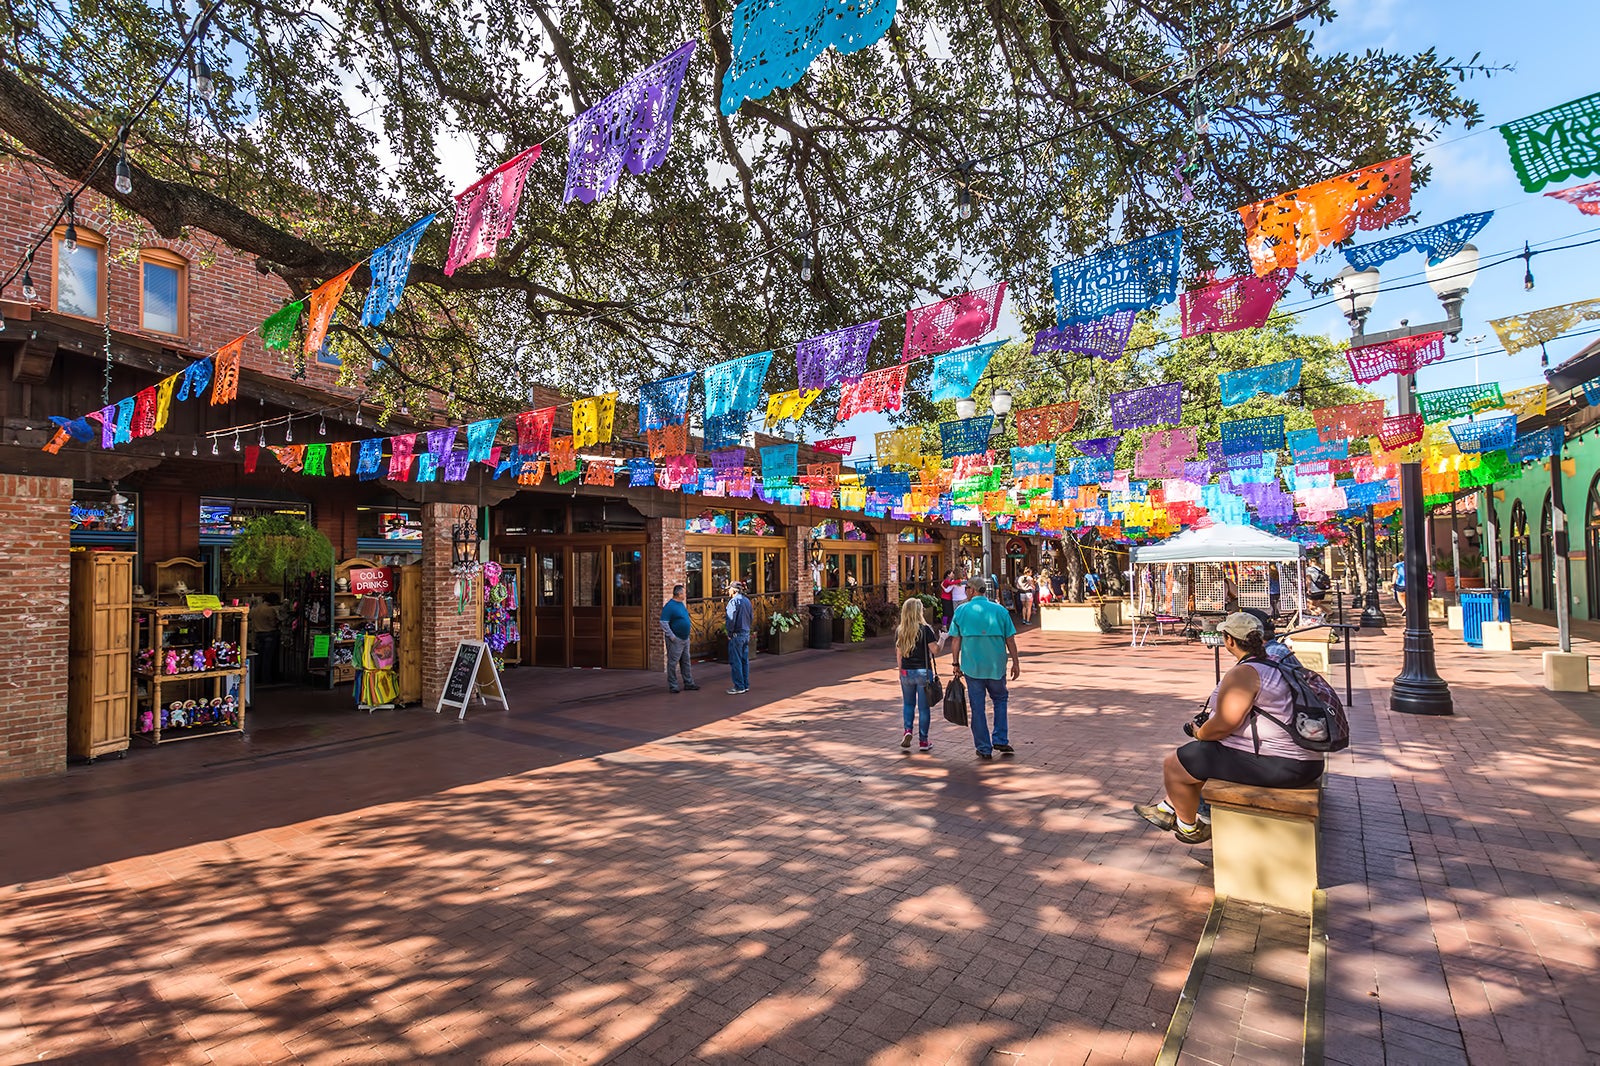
(1150,406)
(969,436)
(1274,379)
(1250,436)
(631,128)
(1440,242)
(783,406)
(900,447)
(664,402)
(1585,198)
(1129,277)
(1036,425)
(956,373)
(1101,338)
(952,322)
(1485,434)
(736,384)
(774,42)
(277,332)
(836,445)
(1286,230)
(828,359)
(390,267)
(1349,421)
(881,390)
(533,430)
(1242,302)
(486,210)
(1370,362)
(320,305)
(594,420)
(1555,144)
(1518,332)
(1441,405)
(225,382)
(375,687)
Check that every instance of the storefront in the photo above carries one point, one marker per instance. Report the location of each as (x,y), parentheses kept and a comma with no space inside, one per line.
(922,562)
(844,554)
(722,545)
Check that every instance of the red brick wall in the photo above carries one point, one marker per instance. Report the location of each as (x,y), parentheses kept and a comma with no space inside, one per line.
(227,296)
(34,584)
(889,563)
(442,626)
(663,568)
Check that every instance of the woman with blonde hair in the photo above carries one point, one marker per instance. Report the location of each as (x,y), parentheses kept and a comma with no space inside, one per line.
(917,644)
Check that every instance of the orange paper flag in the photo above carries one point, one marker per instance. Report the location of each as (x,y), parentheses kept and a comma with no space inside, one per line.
(320,305)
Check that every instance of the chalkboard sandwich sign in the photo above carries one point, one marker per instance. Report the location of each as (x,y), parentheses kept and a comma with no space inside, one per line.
(472,658)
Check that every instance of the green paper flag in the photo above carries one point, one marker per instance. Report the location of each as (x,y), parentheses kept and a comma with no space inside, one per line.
(278,331)
(316,461)
(1556,144)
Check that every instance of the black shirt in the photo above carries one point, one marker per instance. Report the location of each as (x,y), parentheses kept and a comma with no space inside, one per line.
(918,659)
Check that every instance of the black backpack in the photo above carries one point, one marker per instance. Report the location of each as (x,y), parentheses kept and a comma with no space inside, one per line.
(1319,579)
(1317,720)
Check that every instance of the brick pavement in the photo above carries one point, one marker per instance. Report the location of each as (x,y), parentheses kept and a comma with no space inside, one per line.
(607,873)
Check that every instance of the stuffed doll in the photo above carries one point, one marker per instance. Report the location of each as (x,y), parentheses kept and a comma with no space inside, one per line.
(197,661)
(147,721)
(172,661)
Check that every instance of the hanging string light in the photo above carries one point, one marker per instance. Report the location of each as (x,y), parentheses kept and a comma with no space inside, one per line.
(29,291)
(805,266)
(1527,267)
(261,441)
(288,431)
(236,441)
(69,239)
(322,427)
(124,181)
(214,446)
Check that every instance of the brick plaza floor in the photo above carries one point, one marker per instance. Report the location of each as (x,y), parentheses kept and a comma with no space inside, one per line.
(610,873)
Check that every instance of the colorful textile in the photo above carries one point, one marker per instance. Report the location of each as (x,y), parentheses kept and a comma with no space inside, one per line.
(900,447)
(1485,434)
(320,305)
(952,322)
(1273,379)
(1286,230)
(164,390)
(736,385)
(1440,242)
(1441,405)
(316,463)
(1370,362)
(144,413)
(783,406)
(1098,447)
(1128,277)
(1540,444)
(122,427)
(830,358)
(369,459)
(533,430)
(776,41)
(1524,331)
(678,471)
(968,436)
(1103,338)
(486,210)
(194,378)
(1038,460)
(836,445)
(225,376)
(672,440)
(1555,144)
(823,477)
(641,473)
(1495,467)
(594,420)
(632,128)
(600,472)
(1242,302)
(726,431)
(731,459)
(391,268)
(1349,421)
(1585,198)
(440,441)
(480,438)
(1148,406)
(1247,436)
(1038,424)
(340,453)
(1307,445)
(563,456)
(291,457)
(455,466)
(1365,495)
(881,390)
(956,373)
(780,461)
(277,332)
(1163,452)
(664,402)
(400,451)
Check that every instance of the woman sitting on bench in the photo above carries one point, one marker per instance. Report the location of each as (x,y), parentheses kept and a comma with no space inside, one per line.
(1230,743)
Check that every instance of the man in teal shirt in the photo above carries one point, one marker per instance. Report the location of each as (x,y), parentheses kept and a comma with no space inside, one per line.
(981,636)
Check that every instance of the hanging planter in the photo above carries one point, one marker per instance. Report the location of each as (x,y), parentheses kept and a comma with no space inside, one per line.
(273,549)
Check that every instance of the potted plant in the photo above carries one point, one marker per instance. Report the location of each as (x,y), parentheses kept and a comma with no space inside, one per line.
(849,624)
(785,634)
(275,548)
(882,617)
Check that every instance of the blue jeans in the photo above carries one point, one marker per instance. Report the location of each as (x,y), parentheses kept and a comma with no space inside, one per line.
(914,698)
(996,689)
(739,659)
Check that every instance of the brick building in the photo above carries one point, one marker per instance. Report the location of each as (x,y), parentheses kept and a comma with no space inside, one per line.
(594,562)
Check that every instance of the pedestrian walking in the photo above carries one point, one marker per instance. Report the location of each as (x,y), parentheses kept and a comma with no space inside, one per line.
(981,636)
(675,628)
(917,644)
(1400,581)
(741,616)
(946,597)
(1027,587)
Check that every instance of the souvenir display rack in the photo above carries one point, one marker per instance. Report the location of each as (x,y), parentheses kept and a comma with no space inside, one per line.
(211,644)
(349,627)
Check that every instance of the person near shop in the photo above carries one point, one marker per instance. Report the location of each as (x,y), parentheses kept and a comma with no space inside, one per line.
(917,644)
(675,629)
(265,618)
(1399,581)
(1027,588)
(1230,742)
(981,636)
(947,600)
(741,616)
(1317,583)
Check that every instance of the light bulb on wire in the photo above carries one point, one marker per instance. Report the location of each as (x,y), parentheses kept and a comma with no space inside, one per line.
(69,239)
(1527,267)
(214,450)
(805,267)
(29,290)
(261,441)
(124,175)
(236,441)
(322,427)
(204,84)
(194,448)
(288,432)
(964,203)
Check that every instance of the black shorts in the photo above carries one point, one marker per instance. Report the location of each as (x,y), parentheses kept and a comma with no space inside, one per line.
(1208,759)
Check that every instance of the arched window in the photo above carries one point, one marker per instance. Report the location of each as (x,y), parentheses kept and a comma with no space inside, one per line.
(80,274)
(1591,546)
(1547,556)
(163,292)
(1521,549)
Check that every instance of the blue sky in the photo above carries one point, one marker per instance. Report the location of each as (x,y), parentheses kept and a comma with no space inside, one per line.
(1550,45)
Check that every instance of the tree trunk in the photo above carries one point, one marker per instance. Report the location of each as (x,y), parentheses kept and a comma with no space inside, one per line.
(1072,557)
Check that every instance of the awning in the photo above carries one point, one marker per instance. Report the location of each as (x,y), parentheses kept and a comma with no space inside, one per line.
(1220,544)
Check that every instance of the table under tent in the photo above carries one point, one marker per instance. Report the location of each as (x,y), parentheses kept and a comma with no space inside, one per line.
(1206,573)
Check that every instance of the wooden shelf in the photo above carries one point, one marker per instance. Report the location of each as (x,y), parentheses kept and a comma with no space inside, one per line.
(189,732)
(220,671)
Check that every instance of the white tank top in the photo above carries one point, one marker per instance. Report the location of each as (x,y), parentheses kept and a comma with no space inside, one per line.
(1274,699)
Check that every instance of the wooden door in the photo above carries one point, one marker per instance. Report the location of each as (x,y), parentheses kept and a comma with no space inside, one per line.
(410,649)
(588,611)
(627,610)
(547,594)
(100,703)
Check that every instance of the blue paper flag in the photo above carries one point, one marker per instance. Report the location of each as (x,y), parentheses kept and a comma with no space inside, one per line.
(480,438)
(1273,379)
(968,436)
(1308,446)
(775,41)
(1486,434)
(726,431)
(1244,436)
(1440,242)
(780,460)
(391,267)
(1540,444)
(369,459)
(1038,460)
(641,473)
(956,373)
(736,385)
(196,376)
(664,402)
(1129,277)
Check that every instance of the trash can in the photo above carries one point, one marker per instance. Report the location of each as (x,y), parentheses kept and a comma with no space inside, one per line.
(821,626)
(1480,607)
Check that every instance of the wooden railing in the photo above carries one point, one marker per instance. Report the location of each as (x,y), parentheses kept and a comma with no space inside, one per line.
(708,619)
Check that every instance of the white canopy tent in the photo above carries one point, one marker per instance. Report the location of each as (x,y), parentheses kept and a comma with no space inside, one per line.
(1217,569)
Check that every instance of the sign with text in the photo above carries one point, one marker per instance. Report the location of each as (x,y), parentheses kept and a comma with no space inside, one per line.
(377,581)
(471,662)
(202,603)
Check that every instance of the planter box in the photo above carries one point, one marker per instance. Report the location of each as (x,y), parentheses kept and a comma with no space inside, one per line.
(1070,618)
(788,642)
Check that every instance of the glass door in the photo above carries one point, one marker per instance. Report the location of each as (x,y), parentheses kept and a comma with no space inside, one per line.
(627,609)
(548,595)
(588,607)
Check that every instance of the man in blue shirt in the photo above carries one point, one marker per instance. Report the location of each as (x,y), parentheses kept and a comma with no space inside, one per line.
(741,616)
(981,636)
(675,628)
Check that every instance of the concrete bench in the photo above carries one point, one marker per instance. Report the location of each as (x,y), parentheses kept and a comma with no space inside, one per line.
(1264,843)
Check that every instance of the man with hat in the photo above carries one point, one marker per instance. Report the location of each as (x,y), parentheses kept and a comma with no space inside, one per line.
(741,617)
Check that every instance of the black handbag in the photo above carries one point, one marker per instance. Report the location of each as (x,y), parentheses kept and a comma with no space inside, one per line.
(955,702)
(933,688)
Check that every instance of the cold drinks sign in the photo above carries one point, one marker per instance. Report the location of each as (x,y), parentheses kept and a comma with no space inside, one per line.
(378,581)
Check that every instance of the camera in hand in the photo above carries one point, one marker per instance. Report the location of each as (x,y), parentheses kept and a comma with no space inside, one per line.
(1199,720)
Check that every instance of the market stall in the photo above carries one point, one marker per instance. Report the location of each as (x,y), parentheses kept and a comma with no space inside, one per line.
(1215,570)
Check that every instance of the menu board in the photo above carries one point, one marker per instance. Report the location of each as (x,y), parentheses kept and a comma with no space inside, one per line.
(471,657)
